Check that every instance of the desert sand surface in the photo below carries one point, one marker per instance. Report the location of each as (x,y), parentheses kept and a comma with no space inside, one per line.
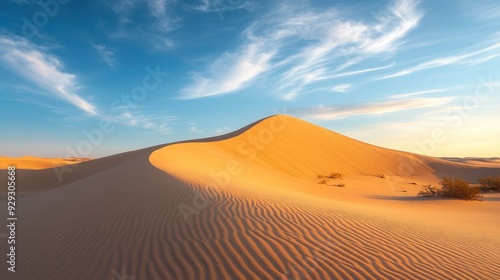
(37,163)
(482,162)
(247,205)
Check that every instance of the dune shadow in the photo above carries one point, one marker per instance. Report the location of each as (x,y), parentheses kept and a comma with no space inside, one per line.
(496,198)
(400,198)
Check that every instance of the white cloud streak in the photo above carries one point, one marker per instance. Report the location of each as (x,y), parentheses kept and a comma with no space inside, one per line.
(106,55)
(356,72)
(302,46)
(375,108)
(160,10)
(443,61)
(342,88)
(134,117)
(241,68)
(410,94)
(208,6)
(160,20)
(42,69)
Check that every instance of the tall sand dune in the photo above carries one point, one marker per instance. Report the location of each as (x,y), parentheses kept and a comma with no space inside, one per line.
(248,205)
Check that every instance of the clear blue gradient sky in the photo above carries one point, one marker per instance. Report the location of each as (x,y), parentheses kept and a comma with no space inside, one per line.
(94,78)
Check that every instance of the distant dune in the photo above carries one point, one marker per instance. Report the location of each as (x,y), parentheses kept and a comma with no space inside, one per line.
(247,205)
(36,163)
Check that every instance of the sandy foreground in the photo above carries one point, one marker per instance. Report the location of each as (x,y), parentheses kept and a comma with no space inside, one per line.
(248,205)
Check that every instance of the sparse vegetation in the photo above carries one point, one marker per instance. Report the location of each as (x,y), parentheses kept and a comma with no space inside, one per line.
(458,188)
(324,179)
(428,191)
(381,176)
(452,188)
(334,175)
(490,183)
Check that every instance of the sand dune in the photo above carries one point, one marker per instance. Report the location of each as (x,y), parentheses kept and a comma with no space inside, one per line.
(247,206)
(36,163)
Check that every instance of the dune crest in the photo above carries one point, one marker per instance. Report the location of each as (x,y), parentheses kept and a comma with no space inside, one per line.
(301,149)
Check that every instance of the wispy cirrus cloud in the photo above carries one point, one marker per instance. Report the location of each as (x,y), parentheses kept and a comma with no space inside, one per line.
(140,118)
(107,55)
(373,108)
(44,70)
(242,68)
(490,51)
(209,6)
(160,20)
(483,10)
(355,72)
(301,45)
(342,88)
(415,93)
(160,9)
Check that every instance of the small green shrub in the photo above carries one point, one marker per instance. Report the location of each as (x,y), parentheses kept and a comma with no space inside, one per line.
(490,183)
(428,191)
(458,188)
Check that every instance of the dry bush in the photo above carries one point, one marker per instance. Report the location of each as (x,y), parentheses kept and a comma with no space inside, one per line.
(428,191)
(322,181)
(341,185)
(490,183)
(334,175)
(452,188)
(458,188)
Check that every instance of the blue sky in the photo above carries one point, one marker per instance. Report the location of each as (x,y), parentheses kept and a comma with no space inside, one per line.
(94,78)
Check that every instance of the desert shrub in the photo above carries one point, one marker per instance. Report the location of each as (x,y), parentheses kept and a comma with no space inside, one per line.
(334,175)
(320,176)
(382,176)
(341,185)
(428,191)
(322,181)
(490,183)
(458,188)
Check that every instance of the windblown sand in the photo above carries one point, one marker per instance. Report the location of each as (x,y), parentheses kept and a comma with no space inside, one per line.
(248,205)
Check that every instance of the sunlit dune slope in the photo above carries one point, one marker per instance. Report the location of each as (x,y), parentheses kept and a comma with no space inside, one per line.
(301,149)
(36,163)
